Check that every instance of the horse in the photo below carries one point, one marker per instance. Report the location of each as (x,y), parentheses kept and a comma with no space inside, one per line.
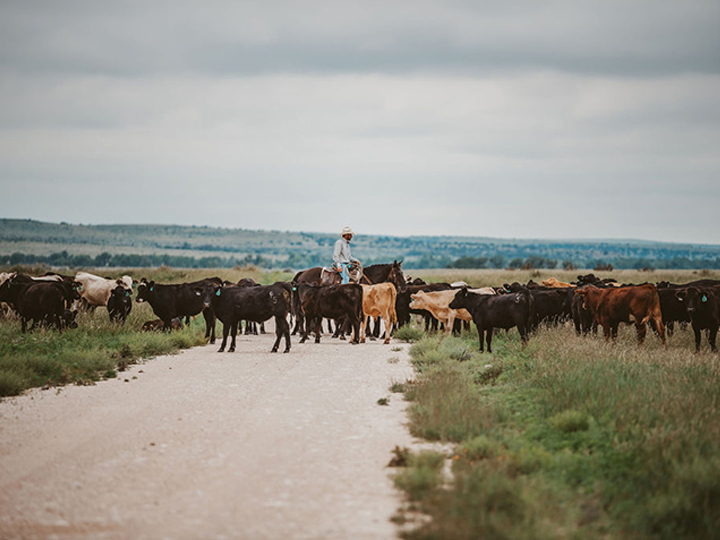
(381,273)
(371,275)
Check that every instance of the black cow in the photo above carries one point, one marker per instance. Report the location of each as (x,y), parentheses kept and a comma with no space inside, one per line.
(257,304)
(552,305)
(703,283)
(39,302)
(332,302)
(251,327)
(673,309)
(703,306)
(181,300)
(582,317)
(119,304)
(592,279)
(497,311)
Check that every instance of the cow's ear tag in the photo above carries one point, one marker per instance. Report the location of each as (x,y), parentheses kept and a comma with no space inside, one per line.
(704,298)
(218,292)
(152,287)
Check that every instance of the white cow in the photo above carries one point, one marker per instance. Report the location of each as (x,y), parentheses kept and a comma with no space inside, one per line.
(96,290)
(438,304)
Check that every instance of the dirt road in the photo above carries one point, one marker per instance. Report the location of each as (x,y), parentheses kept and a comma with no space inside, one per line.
(202,445)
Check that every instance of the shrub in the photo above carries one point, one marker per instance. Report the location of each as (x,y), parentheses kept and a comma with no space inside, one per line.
(408,333)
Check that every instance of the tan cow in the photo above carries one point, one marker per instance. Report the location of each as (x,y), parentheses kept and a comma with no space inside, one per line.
(552,282)
(96,290)
(379,301)
(438,304)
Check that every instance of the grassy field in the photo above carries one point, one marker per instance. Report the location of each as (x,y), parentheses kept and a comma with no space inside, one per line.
(569,437)
(98,348)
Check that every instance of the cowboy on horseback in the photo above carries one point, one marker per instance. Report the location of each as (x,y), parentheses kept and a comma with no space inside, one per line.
(341,254)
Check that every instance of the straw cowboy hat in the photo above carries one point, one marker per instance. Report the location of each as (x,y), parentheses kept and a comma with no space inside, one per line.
(347,230)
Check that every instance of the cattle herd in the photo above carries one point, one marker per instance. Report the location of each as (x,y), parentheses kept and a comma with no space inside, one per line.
(384,294)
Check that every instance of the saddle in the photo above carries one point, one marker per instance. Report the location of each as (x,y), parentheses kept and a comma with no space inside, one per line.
(330,276)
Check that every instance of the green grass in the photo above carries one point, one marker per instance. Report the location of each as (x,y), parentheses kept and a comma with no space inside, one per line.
(96,349)
(569,437)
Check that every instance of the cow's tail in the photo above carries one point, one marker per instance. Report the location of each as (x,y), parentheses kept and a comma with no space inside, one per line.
(361,312)
(654,315)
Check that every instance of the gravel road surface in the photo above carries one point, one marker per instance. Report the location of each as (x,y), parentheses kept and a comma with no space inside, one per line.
(203,445)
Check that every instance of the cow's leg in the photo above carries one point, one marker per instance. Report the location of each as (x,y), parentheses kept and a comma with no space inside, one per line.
(660,330)
(298,324)
(457,327)
(167,324)
(363,328)
(209,316)
(282,323)
(233,335)
(488,338)
(318,329)
(712,335)
(670,327)
(355,322)
(641,332)
(306,329)
(388,328)
(481,335)
(698,337)
(524,334)
(614,331)
(606,331)
(280,326)
(226,330)
(376,330)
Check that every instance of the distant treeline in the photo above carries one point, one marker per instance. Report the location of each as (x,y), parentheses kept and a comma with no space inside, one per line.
(63,258)
(298,261)
(59,244)
(625,263)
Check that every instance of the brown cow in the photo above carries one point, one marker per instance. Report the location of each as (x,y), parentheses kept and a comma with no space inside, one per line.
(556,284)
(637,304)
(379,301)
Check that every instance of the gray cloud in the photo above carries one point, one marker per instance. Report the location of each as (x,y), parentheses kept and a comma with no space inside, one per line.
(531,119)
(240,38)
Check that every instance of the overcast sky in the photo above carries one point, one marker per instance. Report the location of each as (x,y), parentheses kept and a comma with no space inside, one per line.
(577,119)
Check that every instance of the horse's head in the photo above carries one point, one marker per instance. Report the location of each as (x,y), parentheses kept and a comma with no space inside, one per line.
(396,276)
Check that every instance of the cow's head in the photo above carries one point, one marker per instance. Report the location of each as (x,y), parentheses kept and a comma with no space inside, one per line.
(145,290)
(418,300)
(76,288)
(208,293)
(460,299)
(121,293)
(582,293)
(694,299)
